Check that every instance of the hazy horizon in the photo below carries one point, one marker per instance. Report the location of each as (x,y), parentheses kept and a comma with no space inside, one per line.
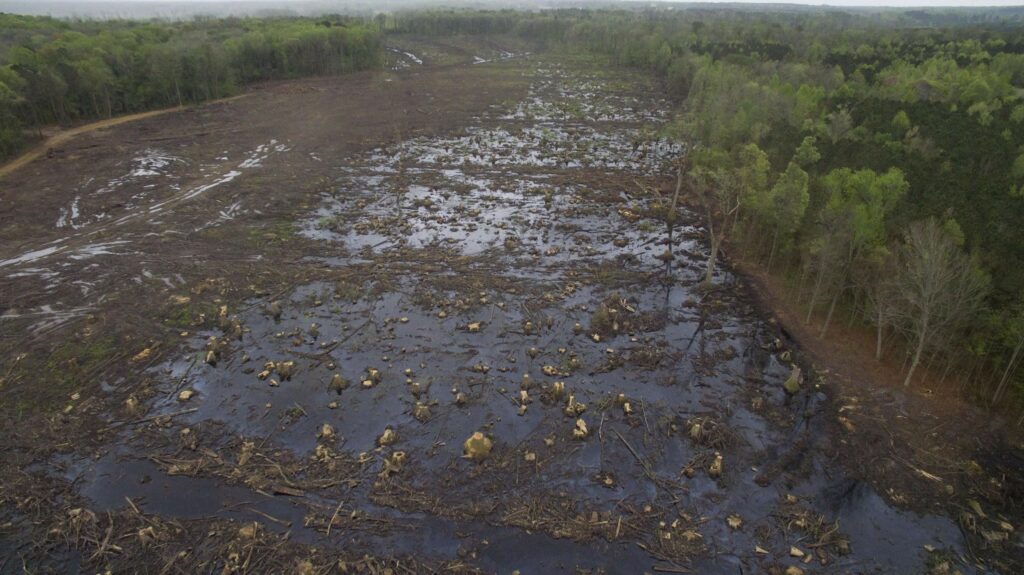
(844,3)
(178,9)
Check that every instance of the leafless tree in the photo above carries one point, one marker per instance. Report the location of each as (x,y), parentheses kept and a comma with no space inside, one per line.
(938,288)
(877,282)
(719,193)
(1011,367)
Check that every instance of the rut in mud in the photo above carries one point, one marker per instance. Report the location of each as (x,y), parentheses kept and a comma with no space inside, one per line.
(514,279)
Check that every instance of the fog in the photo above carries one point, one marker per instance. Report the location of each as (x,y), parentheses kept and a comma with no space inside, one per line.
(188,8)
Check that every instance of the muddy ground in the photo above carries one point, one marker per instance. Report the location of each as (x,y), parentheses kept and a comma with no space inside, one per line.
(424,319)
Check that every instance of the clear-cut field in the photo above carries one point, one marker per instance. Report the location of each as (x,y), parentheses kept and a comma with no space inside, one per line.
(511,274)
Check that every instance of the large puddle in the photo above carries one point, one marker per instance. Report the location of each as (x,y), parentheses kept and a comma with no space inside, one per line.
(511,280)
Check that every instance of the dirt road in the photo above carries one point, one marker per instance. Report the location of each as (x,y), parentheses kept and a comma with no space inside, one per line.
(428,319)
(63,136)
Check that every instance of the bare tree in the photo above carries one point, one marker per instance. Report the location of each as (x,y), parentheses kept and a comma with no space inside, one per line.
(1016,329)
(719,193)
(939,288)
(877,282)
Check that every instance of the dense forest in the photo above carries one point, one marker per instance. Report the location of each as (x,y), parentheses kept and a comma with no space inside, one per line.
(873,160)
(57,72)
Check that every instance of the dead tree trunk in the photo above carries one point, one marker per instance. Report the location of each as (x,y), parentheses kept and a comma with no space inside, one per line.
(815,293)
(1007,372)
(831,310)
(771,254)
(879,332)
(922,339)
(716,240)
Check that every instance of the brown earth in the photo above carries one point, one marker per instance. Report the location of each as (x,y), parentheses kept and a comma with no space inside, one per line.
(68,357)
(82,338)
(61,137)
(924,447)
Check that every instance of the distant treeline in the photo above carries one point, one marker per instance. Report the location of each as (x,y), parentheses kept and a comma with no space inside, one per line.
(56,71)
(874,159)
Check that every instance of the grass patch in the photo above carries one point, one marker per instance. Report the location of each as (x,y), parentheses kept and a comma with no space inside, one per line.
(43,383)
(191,314)
(277,233)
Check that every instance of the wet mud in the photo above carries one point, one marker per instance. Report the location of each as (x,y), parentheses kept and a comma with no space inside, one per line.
(515,279)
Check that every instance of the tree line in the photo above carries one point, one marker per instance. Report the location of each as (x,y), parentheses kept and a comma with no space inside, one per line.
(874,160)
(58,72)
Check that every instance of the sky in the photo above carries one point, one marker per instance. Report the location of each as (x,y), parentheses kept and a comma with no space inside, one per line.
(898,3)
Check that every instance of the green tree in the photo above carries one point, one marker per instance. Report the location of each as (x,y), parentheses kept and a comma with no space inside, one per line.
(787,202)
(852,225)
(807,153)
(10,101)
(752,173)
(901,122)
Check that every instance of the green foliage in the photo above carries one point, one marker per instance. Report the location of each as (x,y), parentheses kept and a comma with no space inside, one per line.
(1018,166)
(838,126)
(901,122)
(807,153)
(272,49)
(1017,115)
(807,106)
(10,101)
(858,204)
(954,232)
(753,171)
(61,72)
(788,200)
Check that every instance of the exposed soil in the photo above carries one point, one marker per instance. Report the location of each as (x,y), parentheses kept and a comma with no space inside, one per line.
(428,319)
(60,137)
(923,446)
